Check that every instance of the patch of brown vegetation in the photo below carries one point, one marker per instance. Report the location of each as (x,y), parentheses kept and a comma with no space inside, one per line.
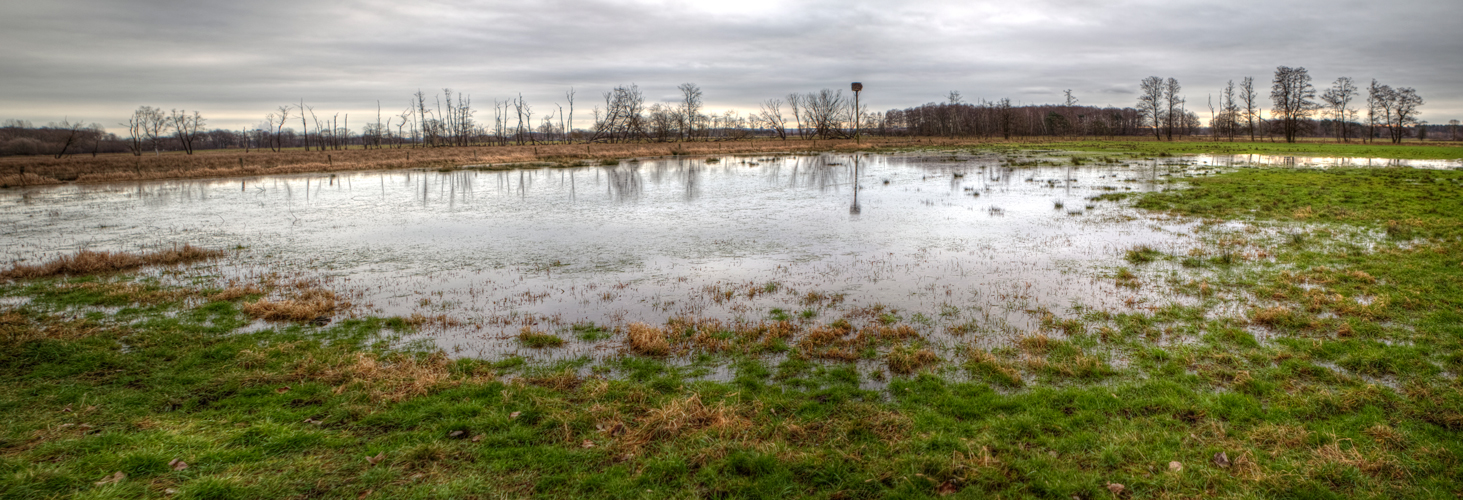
(905,360)
(86,262)
(682,416)
(1279,438)
(1035,344)
(301,306)
(236,292)
(1377,464)
(648,340)
(17,327)
(395,377)
(562,381)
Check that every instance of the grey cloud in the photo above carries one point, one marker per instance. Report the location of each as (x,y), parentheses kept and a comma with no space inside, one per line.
(98,59)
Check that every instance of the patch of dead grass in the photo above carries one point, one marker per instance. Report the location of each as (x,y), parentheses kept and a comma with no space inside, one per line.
(301,306)
(394,377)
(648,340)
(87,262)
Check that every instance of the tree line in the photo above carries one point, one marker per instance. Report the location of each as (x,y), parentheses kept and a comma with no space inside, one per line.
(622,114)
(1296,110)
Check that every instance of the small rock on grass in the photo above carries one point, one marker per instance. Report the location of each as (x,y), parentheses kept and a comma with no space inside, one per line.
(178,464)
(112,479)
(1116,488)
(1175,466)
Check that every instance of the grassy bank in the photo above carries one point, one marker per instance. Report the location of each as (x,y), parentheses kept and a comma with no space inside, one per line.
(1336,379)
(1406,151)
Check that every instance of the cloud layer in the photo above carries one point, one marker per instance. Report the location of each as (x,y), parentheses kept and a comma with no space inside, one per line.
(96,60)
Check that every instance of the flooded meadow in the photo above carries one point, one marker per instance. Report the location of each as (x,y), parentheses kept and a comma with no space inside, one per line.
(940,244)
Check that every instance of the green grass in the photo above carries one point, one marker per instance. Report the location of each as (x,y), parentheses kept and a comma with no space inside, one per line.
(1424,202)
(1409,151)
(1338,382)
(539,340)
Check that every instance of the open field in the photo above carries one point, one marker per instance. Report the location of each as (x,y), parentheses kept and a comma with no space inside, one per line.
(42,170)
(1337,378)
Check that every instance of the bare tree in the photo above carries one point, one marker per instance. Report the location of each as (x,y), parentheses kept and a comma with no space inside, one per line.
(1338,100)
(276,129)
(569,129)
(1294,98)
(1229,111)
(624,115)
(144,125)
(824,110)
(795,101)
(1172,99)
(772,115)
(1373,105)
(1404,103)
(1150,103)
(73,135)
(186,128)
(691,105)
(1247,94)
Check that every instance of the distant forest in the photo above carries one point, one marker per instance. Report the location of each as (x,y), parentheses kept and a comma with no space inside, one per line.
(449,119)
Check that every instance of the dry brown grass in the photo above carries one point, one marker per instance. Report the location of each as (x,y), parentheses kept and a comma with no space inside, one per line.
(1343,452)
(41,170)
(648,340)
(87,262)
(17,328)
(236,291)
(394,377)
(301,306)
(905,359)
(678,417)
(1035,344)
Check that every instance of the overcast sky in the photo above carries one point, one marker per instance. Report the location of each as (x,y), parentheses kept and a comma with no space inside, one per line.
(235,61)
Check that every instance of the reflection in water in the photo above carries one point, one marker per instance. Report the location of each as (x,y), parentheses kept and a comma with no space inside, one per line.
(970,232)
(625,183)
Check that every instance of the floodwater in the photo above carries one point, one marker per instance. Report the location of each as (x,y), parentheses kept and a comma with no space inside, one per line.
(938,240)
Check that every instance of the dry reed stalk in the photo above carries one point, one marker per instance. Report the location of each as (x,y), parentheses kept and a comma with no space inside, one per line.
(437,321)
(93,262)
